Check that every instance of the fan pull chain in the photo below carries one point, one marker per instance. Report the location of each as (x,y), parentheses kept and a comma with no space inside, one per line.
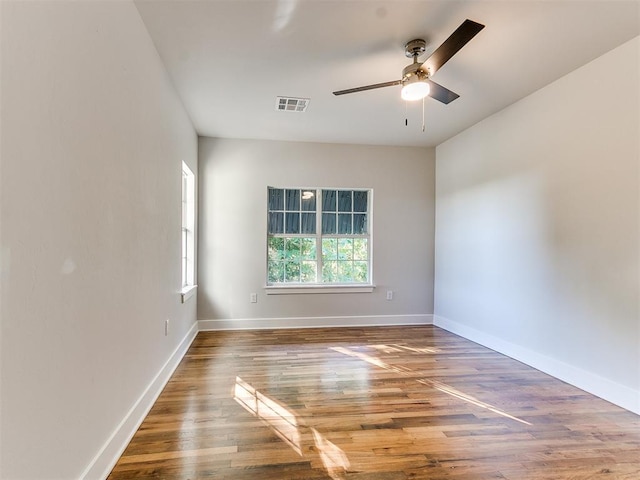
(406,117)
(423,113)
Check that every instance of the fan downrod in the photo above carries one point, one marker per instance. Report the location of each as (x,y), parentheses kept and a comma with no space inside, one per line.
(415,48)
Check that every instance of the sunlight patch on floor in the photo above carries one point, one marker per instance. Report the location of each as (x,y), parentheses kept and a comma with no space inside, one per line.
(286,425)
(281,420)
(442,387)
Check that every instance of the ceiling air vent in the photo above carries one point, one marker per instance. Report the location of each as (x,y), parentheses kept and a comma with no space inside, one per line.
(290,104)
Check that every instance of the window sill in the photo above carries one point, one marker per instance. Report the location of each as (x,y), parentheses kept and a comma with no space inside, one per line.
(298,289)
(188,292)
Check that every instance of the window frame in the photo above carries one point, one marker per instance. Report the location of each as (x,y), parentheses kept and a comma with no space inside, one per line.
(188,233)
(276,288)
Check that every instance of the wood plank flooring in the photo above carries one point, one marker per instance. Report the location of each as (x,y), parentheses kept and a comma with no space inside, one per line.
(380,403)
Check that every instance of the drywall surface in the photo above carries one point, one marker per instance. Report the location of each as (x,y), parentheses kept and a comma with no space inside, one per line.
(234,175)
(537,224)
(93,137)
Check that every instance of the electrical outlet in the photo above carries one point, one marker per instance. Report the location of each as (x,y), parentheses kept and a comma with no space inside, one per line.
(253,298)
(389,294)
(166,327)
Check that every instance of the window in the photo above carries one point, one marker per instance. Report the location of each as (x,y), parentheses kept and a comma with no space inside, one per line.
(188,232)
(318,236)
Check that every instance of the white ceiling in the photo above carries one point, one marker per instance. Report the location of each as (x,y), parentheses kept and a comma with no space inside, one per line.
(230,59)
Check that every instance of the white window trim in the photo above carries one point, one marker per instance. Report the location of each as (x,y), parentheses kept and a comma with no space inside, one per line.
(188,292)
(296,288)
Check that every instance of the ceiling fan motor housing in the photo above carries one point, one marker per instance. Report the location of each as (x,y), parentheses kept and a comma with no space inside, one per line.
(414,70)
(415,48)
(413,73)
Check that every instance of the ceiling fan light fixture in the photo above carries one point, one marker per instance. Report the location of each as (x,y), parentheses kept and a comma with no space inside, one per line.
(415,88)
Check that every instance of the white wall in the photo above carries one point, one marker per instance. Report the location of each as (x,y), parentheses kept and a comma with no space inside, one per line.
(234,175)
(92,141)
(537,229)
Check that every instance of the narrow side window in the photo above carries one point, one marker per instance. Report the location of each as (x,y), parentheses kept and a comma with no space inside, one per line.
(188,227)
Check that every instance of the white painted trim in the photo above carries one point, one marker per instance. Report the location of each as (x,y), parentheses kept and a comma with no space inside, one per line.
(104,461)
(288,290)
(188,292)
(314,322)
(613,392)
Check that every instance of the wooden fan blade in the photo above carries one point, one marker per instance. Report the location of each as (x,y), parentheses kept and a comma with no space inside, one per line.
(458,39)
(368,87)
(440,93)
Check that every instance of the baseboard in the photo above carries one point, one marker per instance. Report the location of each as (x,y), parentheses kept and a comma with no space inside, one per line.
(105,460)
(613,392)
(314,322)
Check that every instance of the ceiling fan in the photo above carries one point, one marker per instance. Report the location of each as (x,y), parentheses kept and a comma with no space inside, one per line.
(416,82)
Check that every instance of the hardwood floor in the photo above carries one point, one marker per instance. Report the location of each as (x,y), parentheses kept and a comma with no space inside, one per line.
(380,403)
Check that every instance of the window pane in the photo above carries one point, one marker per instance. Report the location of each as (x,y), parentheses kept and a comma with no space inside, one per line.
(329,249)
(292,272)
(276,272)
(276,222)
(329,272)
(345,249)
(276,199)
(185,187)
(293,223)
(308,223)
(345,272)
(308,248)
(309,200)
(328,223)
(360,201)
(308,272)
(360,272)
(275,249)
(328,200)
(188,223)
(292,252)
(344,201)
(344,223)
(360,249)
(359,223)
(293,199)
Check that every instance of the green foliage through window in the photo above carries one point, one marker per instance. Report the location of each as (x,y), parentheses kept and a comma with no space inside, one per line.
(291,259)
(345,260)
